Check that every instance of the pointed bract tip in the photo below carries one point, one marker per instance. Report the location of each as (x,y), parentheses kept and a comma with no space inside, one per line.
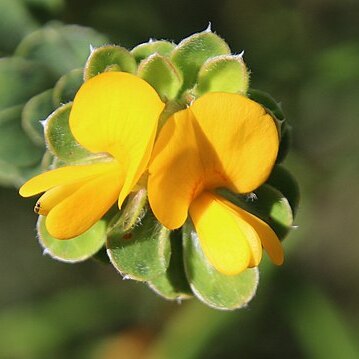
(209,27)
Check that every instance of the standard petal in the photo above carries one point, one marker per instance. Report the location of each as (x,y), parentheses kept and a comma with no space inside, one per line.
(269,239)
(117,112)
(175,172)
(63,176)
(223,239)
(244,138)
(78,212)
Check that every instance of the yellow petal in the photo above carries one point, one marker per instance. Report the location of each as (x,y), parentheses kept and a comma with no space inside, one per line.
(176,172)
(117,112)
(223,237)
(78,212)
(63,176)
(222,140)
(54,196)
(243,136)
(269,239)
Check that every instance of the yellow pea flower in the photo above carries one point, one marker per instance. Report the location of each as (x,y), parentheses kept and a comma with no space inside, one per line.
(115,113)
(221,140)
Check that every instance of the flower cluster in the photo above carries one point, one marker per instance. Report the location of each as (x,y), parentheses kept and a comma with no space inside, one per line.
(175,124)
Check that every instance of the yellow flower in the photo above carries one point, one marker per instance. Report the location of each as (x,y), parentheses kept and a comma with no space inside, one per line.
(221,140)
(114,113)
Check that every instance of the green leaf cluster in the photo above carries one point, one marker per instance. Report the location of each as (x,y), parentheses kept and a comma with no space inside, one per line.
(42,75)
(34,120)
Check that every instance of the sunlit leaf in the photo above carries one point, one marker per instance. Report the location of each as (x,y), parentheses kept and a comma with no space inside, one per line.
(210,286)
(142,253)
(173,283)
(72,250)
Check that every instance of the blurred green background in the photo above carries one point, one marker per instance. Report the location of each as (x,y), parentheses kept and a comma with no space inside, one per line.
(306,54)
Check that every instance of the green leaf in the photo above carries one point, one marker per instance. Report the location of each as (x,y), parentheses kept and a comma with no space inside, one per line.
(67,86)
(267,203)
(109,58)
(173,283)
(160,47)
(142,253)
(274,109)
(227,73)
(16,22)
(53,6)
(267,101)
(210,286)
(15,147)
(60,48)
(20,80)
(162,75)
(283,181)
(60,140)
(72,250)
(192,52)
(37,109)
(10,175)
(285,142)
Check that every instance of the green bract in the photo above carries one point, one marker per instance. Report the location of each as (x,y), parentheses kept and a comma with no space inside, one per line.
(54,61)
(109,58)
(226,73)
(160,47)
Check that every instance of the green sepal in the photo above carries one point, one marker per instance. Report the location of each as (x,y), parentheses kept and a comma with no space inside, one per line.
(160,47)
(20,80)
(173,284)
(210,286)
(267,203)
(60,48)
(66,87)
(162,75)
(109,58)
(226,73)
(142,253)
(192,52)
(283,181)
(36,110)
(73,250)
(60,140)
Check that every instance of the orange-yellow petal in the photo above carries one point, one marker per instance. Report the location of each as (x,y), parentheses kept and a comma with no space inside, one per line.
(226,240)
(117,112)
(244,138)
(78,212)
(176,172)
(269,239)
(63,176)
(222,140)
(54,196)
